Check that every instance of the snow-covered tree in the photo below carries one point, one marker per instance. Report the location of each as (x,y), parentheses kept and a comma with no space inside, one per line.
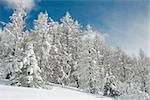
(2,54)
(132,83)
(53,70)
(30,75)
(42,41)
(13,41)
(69,47)
(120,64)
(110,87)
(90,71)
(101,52)
(144,71)
(14,31)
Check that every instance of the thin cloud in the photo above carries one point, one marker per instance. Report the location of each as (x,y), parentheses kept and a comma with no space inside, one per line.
(133,35)
(130,32)
(26,4)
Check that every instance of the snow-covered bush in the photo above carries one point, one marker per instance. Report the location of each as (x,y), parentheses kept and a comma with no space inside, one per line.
(128,88)
(111,86)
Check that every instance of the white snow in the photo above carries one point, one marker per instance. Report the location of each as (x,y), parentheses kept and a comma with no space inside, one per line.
(134,97)
(56,93)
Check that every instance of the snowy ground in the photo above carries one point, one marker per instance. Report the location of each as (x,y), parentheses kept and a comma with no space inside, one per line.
(56,93)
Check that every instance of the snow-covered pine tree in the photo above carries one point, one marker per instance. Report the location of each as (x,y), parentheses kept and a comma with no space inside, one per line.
(144,71)
(84,70)
(131,84)
(2,54)
(31,72)
(111,86)
(101,52)
(134,78)
(54,69)
(126,70)
(89,71)
(75,49)
(42,41)
(13,43)
(119,66)
(69,40)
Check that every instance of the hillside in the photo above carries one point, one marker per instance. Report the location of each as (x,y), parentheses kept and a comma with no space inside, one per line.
(56,93)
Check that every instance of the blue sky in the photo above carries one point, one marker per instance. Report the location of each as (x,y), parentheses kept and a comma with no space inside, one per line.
(124,23)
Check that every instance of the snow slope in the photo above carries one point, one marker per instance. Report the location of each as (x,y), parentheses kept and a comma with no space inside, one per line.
(134,97)
(56,93)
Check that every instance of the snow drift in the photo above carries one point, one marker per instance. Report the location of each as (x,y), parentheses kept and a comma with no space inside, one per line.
(56,93)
